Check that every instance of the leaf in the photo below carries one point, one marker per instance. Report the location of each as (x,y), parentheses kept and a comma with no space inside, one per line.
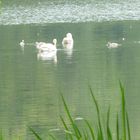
(36,135)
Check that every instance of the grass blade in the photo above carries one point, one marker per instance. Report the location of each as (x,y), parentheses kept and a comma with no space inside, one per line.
(86,137)
(36,135)
(109,135)
(99,137)
(67,110)
(52,137)
(98,114)
(65,126)
(76,130)
(123,112)
(117,128)
(91,130)
(128,127)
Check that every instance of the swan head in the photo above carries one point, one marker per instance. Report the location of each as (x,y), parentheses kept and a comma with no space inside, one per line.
(37,44)
(22,41)
(108,43)
(54,41)
(69,35)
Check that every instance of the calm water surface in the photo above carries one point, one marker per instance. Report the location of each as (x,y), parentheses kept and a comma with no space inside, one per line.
(30,87)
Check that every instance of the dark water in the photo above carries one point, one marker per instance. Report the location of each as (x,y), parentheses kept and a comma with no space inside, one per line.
(30,87)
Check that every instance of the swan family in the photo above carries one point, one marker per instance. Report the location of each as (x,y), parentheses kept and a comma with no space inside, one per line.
(67,42)
(47,51)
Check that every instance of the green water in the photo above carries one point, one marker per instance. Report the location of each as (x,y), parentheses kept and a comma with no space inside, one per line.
(30,88)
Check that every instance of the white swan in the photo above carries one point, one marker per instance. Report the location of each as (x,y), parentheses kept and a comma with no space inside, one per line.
(67,41)
(22,43)
(39,45)
(113,45)
(42,46)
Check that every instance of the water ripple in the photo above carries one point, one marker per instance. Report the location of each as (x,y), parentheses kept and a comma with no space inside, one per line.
(72,12)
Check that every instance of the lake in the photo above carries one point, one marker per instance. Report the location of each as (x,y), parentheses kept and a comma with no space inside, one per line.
(31,87)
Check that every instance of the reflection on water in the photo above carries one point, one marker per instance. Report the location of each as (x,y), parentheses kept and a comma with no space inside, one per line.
(47,56)
(68,53)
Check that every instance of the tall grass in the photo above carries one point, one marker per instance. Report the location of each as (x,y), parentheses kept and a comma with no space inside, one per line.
(96,132)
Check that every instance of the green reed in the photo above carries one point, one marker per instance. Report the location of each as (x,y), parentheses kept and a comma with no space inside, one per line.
(102,132)
(35,133)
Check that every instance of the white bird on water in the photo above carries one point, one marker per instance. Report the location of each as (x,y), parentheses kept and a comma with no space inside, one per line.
(22,43)
(67,41)
(42,46)
(113,45)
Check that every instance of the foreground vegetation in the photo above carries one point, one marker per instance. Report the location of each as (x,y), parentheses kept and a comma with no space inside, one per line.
(98,131)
